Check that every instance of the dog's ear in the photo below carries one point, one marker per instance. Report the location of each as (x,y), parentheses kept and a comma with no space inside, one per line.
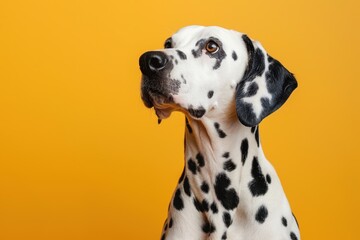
(264,87)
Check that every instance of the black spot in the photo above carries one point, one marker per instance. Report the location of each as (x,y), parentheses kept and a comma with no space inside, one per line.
(205,187)
(258,185)
(244,150)
(184,80)
(187,187)
(253,129)
(293,236)
(252,89)
(200,160)
(163,237)
(208,227)
(198,52)
(229,165)
(197,205)
(205,206)
(176,61)
(228,197)
(178,202)
(214,208)
(296,220)
(261,214)
(268,178)
(181,54)
(201,206)
(234,56)
(168,43)
(210,94)
(192,166)
(182,176)
(219,131)
(166,226)
(226,155)
(171,223)
(188,125)
(284,221)
(257,136)
(198,113)
(224,236)
(227,219)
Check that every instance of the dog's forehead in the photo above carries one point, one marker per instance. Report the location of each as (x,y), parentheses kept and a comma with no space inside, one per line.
(191,34)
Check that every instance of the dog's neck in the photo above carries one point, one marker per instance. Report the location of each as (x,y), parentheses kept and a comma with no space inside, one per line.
(215,147)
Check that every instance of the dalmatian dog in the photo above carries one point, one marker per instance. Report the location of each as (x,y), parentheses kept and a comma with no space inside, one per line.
(225,84)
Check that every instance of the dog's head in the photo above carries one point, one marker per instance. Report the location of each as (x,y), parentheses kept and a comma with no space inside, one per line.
(214,72)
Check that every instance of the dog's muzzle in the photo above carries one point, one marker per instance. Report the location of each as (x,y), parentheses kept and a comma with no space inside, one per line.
(156,87)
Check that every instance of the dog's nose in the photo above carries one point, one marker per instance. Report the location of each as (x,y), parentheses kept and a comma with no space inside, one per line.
(153,62)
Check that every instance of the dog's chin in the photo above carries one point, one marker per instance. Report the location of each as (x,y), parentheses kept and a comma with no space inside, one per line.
(162,104)
(163,113)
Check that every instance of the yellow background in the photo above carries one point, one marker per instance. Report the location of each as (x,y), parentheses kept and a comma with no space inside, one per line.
(82,158)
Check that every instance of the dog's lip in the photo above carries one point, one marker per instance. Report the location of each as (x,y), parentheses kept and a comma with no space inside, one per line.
(156,99)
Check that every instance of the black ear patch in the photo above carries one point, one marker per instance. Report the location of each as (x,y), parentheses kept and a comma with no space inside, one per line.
(264,87)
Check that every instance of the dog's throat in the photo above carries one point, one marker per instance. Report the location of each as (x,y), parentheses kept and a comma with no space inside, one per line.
(217,151)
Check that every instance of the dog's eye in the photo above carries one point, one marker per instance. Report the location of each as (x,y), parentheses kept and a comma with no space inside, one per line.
(168,43)
(211,47)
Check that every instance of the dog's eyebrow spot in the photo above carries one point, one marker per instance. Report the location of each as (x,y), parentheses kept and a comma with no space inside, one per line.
(197,53)
(181,54)
(234,56)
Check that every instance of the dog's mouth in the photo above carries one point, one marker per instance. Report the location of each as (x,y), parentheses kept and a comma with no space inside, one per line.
(162,103)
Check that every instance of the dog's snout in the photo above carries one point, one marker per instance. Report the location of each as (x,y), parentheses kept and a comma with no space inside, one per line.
(153,62)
